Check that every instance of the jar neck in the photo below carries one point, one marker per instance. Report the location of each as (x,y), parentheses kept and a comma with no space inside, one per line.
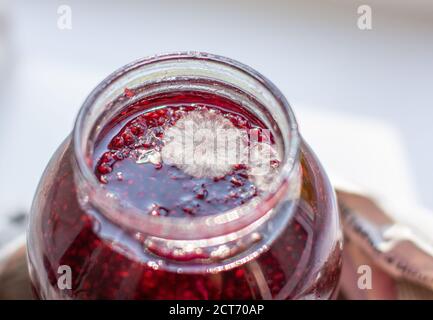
(193,72)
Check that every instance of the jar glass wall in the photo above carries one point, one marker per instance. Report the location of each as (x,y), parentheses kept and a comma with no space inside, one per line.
(285,244)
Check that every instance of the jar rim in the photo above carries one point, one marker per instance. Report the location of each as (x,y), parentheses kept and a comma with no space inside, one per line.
(185,228)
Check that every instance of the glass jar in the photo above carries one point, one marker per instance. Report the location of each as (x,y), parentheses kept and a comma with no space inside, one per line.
(85,243)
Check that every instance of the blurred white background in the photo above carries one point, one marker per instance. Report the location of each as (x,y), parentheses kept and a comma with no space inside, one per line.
(364,99)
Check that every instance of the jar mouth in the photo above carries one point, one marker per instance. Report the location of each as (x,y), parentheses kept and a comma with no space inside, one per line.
(156,69)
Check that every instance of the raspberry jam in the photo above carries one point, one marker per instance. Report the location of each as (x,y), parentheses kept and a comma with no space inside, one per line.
(132,160)
(185,187)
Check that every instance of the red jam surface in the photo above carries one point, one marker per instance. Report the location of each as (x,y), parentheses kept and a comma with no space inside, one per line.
(109,262)
(164,189)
